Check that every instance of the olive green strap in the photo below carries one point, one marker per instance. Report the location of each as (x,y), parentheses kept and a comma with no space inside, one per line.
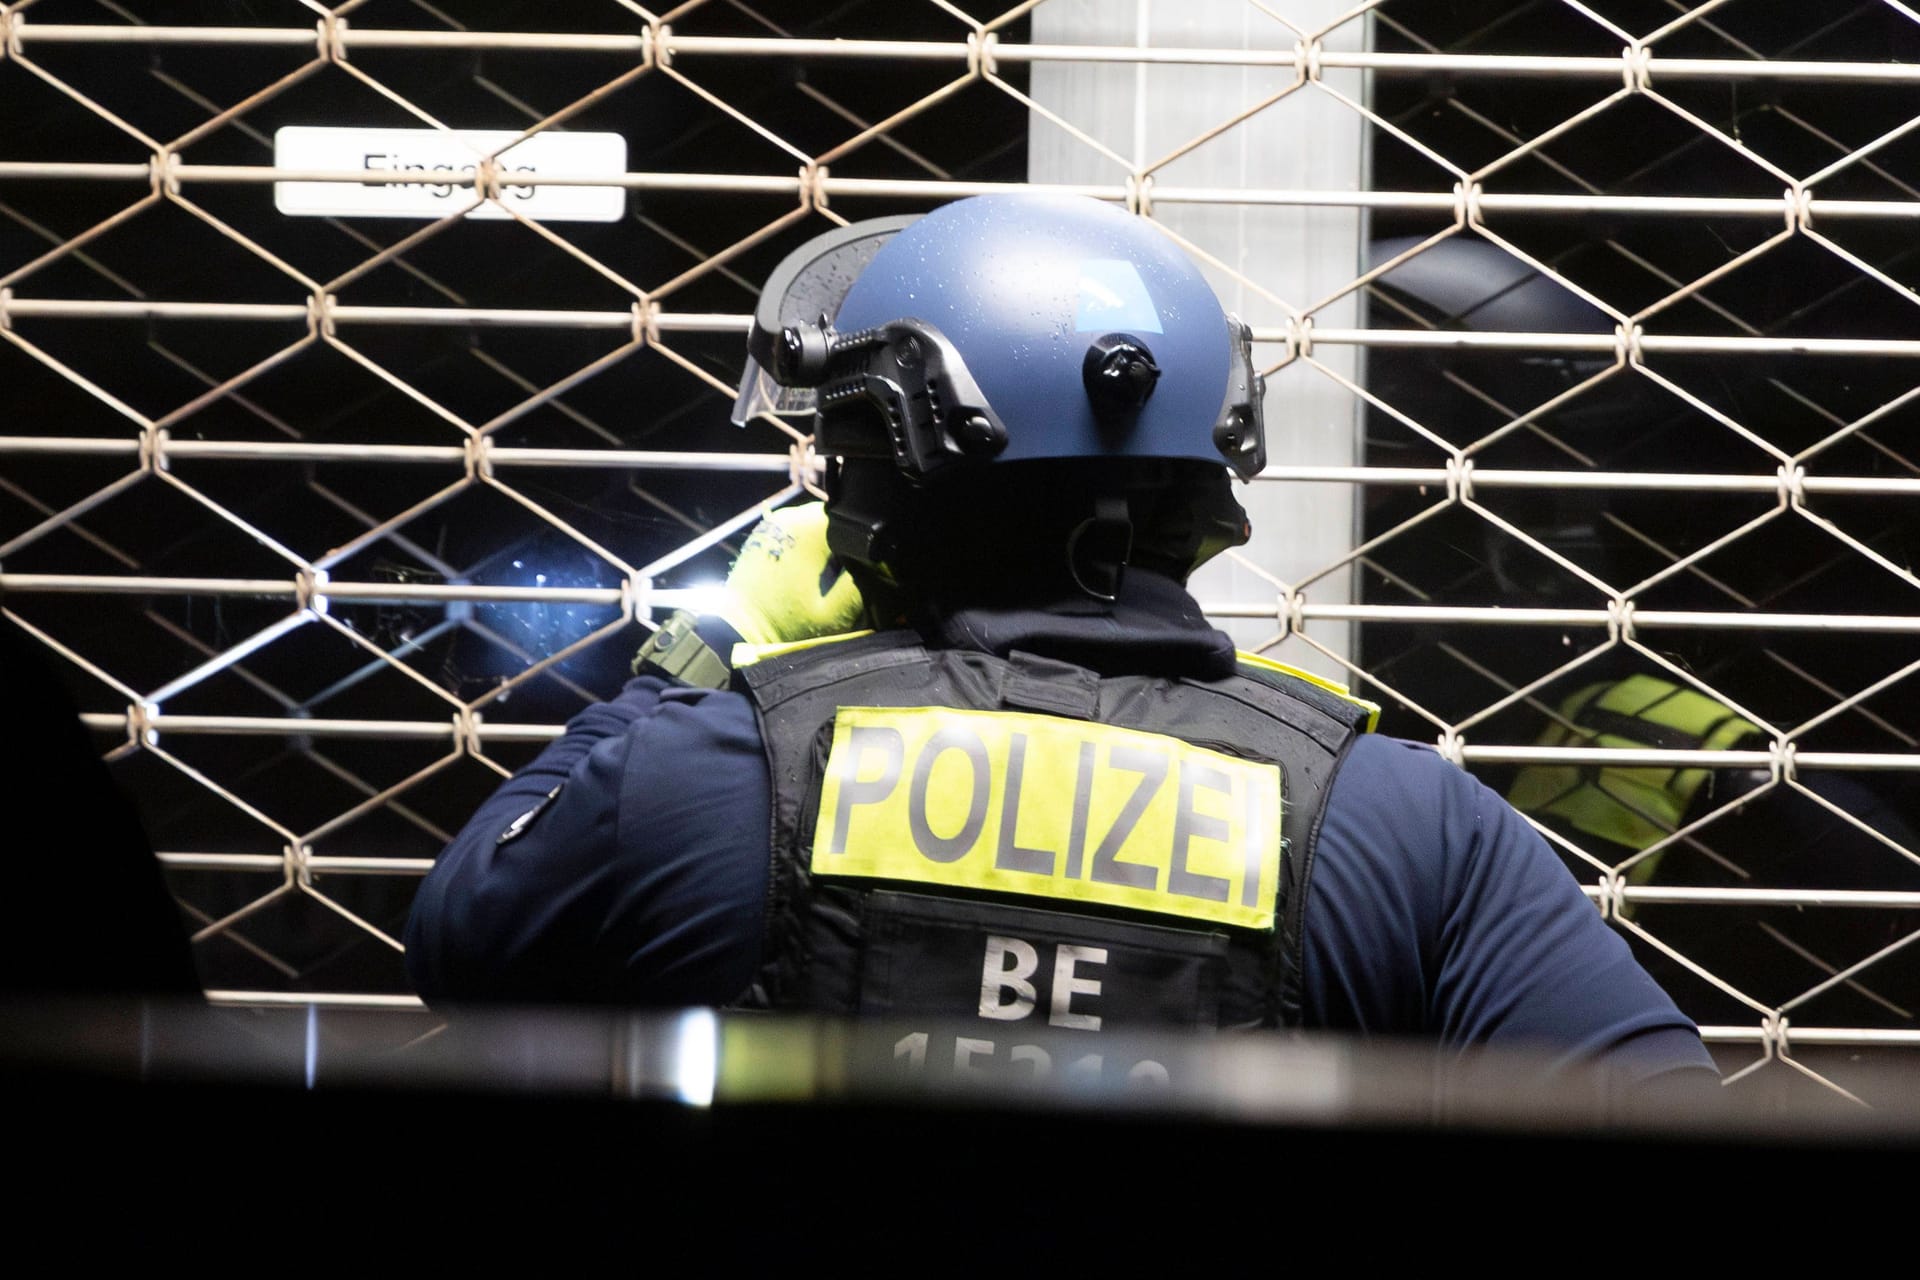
(678,653)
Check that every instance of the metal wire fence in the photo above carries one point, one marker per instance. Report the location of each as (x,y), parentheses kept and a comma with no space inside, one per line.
(335,519)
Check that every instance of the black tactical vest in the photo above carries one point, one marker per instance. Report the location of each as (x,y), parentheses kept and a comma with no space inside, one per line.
(898,944)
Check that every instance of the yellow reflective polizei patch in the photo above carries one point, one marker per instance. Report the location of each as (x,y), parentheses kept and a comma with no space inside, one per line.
(1053,808)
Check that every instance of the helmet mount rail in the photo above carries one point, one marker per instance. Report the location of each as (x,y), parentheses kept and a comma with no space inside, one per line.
(1240,432)
(899,391)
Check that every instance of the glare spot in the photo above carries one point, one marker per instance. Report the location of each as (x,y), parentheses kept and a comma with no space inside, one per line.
(706,597)
(697,1063)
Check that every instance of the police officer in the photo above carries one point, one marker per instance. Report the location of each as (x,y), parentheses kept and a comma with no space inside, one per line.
(961,745)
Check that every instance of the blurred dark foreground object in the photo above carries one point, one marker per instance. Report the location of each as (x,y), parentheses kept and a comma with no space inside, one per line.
(89,913)
(570,1131)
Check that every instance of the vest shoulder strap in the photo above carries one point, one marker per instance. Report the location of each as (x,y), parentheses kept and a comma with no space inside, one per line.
(1330,697)
(775,679)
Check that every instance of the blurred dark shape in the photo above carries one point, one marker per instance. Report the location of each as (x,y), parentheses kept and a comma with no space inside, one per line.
(1763,837)
(1470,284)
(91,915)
(562,1130)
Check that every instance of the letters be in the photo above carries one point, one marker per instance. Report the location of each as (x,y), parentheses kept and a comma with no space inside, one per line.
(1007,992)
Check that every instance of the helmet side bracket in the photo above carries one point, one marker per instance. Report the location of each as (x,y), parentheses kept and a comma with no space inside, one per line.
(902,392)
(1240,432)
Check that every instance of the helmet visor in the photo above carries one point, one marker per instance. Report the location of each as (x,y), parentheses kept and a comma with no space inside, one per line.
(806,288)
(759,394)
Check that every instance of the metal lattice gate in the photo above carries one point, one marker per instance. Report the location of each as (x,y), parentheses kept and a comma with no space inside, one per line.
(334,519)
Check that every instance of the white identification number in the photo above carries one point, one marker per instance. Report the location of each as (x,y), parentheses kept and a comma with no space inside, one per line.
(971,1055)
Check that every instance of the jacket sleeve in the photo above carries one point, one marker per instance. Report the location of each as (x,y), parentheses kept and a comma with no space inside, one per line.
(607,871)
(1435,909)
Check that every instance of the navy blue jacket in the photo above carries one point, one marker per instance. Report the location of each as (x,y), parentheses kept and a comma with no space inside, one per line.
(1434,909)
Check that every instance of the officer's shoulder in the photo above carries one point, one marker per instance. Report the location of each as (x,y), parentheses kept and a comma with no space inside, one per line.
(1399,813)
(1378,767)
(680,698)
(689,723)
(1401,755)
(646,694)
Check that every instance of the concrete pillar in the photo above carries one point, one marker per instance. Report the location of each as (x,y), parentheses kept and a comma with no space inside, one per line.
(1297,255)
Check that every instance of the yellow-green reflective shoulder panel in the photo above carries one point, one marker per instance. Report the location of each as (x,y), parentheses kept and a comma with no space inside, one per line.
(745,655)
(1052,808)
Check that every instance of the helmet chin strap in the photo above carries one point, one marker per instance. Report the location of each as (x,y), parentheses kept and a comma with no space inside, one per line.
(1099,547)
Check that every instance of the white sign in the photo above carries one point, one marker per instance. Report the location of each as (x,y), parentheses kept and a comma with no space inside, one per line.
(395,151)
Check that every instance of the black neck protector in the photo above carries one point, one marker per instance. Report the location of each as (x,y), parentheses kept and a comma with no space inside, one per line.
(1152,627)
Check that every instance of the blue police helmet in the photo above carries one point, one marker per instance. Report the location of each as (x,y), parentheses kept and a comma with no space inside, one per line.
(1007,328)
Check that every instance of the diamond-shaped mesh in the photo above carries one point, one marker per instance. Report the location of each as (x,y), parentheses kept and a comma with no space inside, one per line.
(334,521)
